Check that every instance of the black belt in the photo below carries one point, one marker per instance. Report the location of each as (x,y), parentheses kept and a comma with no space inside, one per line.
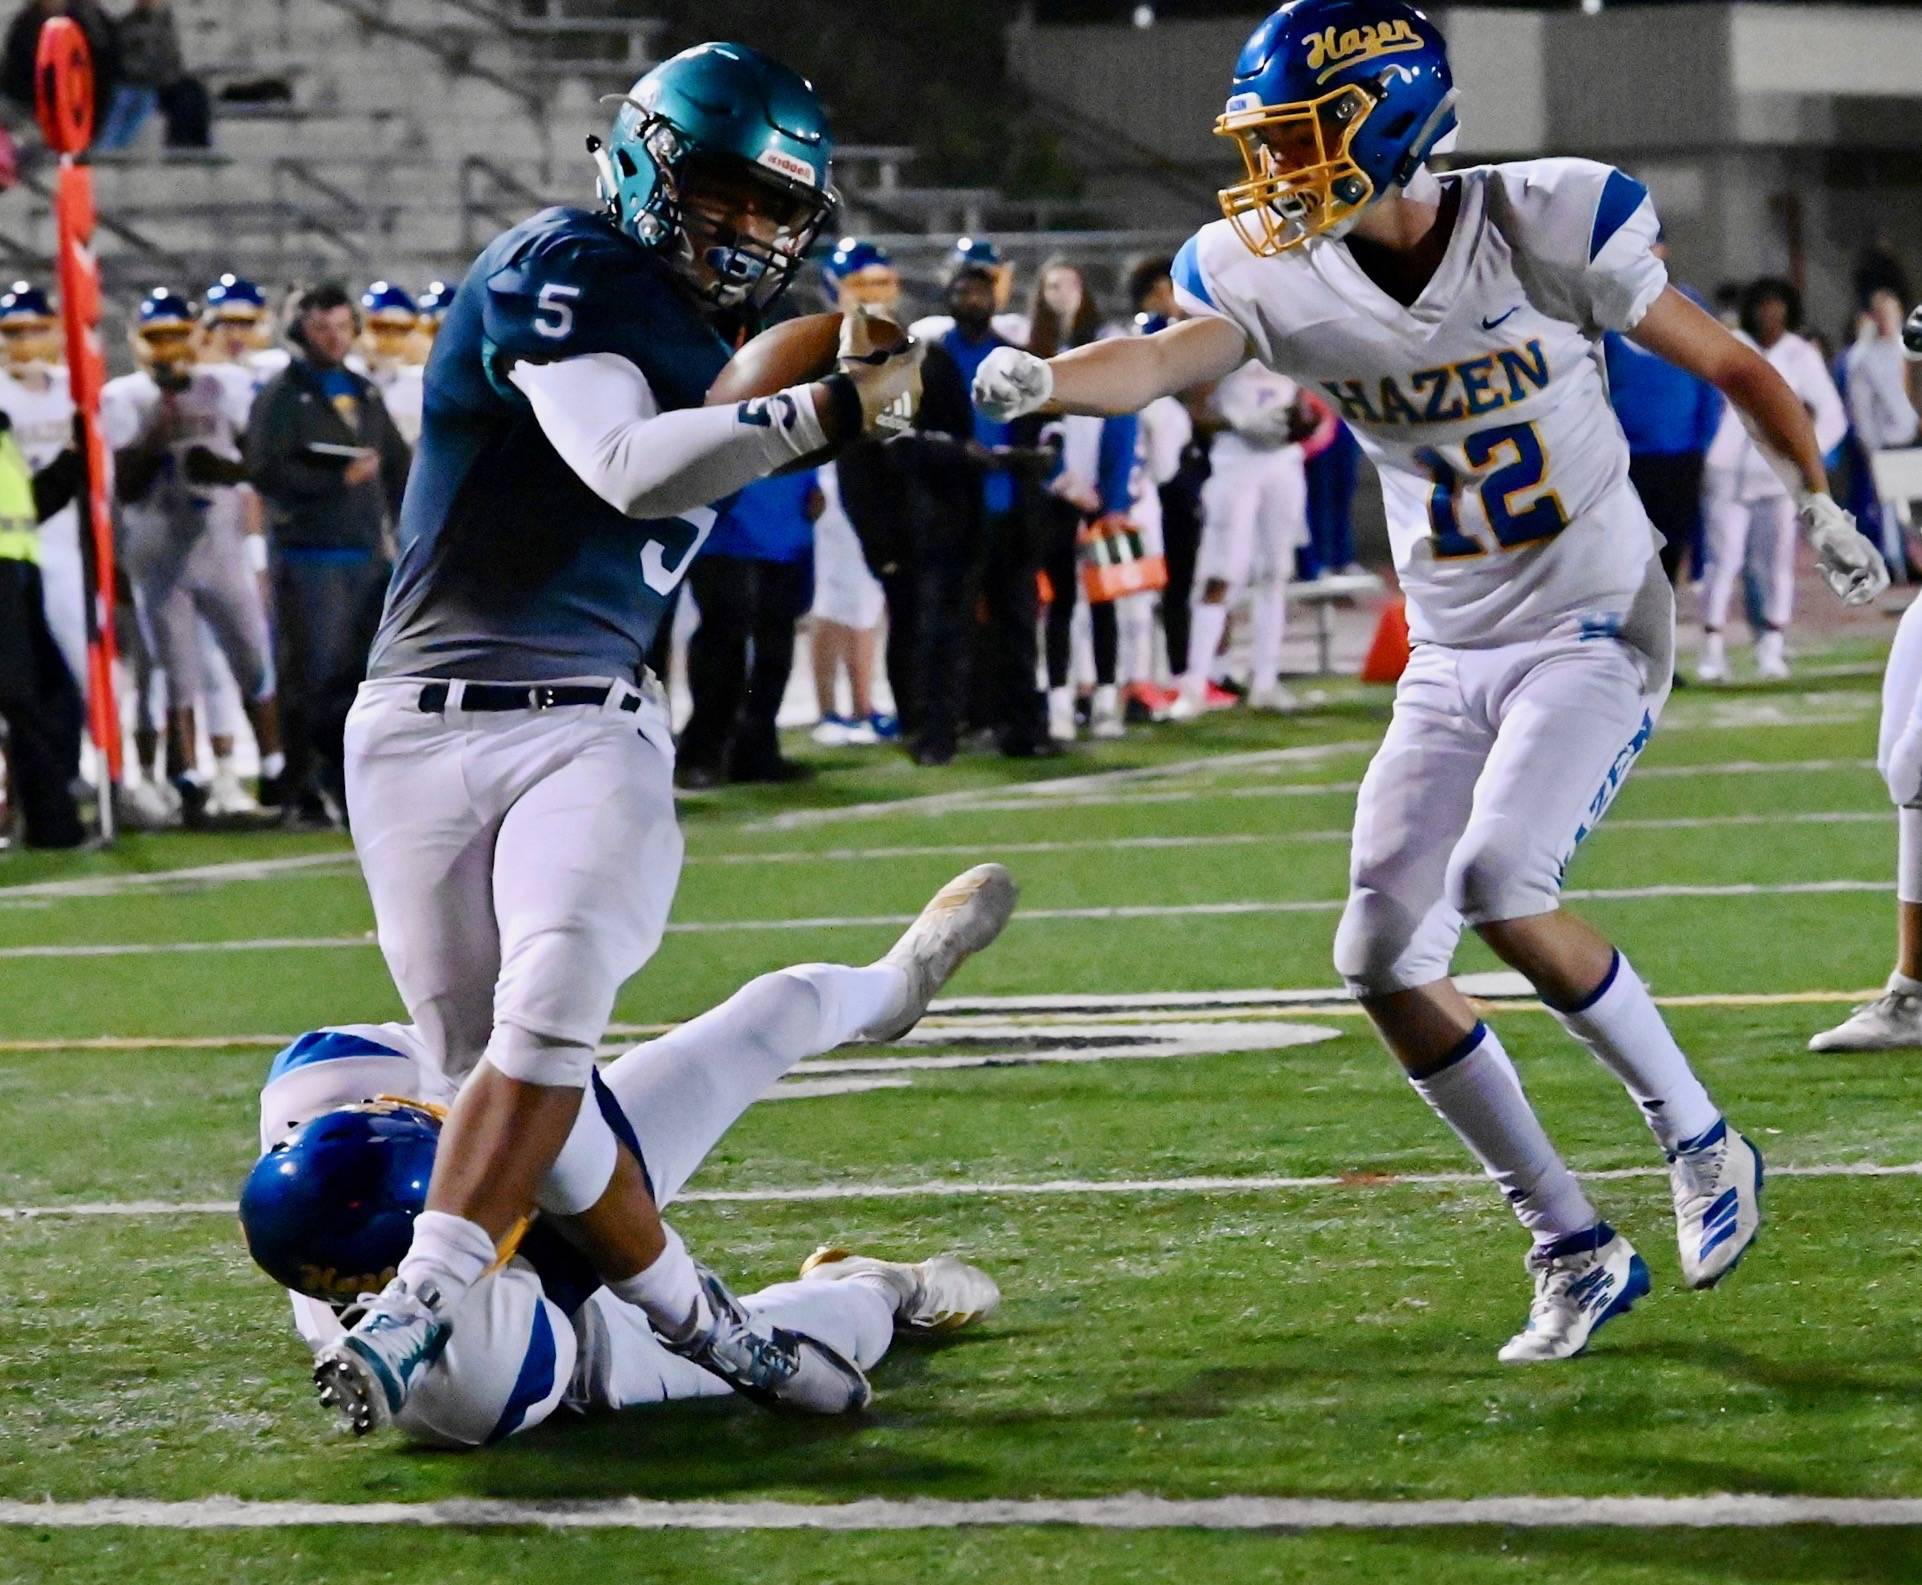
(505,696)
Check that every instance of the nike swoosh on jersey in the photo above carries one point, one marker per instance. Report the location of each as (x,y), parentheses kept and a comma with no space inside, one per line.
(1490,324)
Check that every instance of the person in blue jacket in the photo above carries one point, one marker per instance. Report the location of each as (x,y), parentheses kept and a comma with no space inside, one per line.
(1669,418)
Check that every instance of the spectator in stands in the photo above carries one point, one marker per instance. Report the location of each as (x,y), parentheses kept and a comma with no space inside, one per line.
(753,583)
(981,253)
(23,45)
(39,702)
(328,461)
(1669,417)
(1877,386)
(152,73)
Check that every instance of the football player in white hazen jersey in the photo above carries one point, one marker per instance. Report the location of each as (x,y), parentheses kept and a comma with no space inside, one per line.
(1454,322)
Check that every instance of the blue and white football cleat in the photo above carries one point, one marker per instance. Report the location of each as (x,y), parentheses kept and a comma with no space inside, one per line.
(366,1375)
(776,1367)
(1716,1180)
(1581,1282)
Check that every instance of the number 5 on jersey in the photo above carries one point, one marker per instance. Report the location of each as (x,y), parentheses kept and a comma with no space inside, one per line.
(554,315)
(1499,467)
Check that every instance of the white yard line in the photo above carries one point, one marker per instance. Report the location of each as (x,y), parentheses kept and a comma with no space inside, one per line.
(152,880)
(708,927)
(1134,1511)
(1049,1188)
(1237,839)
(1047,791)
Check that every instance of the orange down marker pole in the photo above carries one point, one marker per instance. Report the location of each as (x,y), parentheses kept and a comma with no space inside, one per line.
(63,76)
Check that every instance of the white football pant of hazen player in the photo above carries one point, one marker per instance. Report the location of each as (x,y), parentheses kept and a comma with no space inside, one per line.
(1453,322)
(515,1354)
(1893,1020)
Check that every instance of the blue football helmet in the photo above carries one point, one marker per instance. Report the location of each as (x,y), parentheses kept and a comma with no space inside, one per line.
(384,303)
(432,302)
(863,272)
(233,297)
(1334,104)
(164,309)
(24,305)
(329,1211)
(721,109)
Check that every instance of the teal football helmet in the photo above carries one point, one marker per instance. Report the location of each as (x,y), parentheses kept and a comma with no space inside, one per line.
(724,112)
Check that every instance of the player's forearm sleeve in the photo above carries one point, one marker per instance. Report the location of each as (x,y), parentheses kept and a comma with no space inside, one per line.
(599,413)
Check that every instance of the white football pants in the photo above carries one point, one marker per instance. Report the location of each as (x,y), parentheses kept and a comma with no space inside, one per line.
(1759,535)
(521,863)
(1497,764)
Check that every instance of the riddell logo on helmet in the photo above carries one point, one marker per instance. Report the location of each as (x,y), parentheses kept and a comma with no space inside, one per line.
(788,165)
(1335,50)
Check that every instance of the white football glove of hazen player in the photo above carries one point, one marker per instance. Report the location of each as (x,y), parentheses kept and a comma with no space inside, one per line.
(888,382)
(1848,558)
(1011,384)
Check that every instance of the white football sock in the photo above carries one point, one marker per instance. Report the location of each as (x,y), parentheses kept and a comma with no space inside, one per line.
(669,1291)
(1908,855)
(273,764)
(1621,1025)
(1479,1095)
(683,1091)
(449,1252)
(584,1168)
(1268,621)
(1206,626)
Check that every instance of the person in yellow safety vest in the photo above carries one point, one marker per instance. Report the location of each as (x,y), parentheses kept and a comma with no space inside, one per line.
(39,702)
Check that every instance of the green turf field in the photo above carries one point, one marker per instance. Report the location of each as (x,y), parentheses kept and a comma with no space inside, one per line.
(1330,1338)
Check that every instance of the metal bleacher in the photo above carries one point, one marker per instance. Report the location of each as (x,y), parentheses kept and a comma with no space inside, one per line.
(393,137)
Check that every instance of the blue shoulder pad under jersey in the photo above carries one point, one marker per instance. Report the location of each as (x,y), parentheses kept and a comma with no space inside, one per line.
(325,1045)
(568,284)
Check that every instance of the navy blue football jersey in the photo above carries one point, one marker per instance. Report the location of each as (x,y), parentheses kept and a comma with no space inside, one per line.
(510,567)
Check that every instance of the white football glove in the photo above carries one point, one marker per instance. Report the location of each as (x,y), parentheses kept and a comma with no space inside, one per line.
(1011,384)
(1848,558)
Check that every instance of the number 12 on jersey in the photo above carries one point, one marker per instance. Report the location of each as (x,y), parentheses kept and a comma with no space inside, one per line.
(1499,467)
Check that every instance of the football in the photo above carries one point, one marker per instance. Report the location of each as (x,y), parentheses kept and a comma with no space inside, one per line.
(790,353)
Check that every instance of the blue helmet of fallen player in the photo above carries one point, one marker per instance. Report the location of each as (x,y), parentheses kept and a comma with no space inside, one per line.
(329,1211)
(233,297)
(1334,103)
(719,159)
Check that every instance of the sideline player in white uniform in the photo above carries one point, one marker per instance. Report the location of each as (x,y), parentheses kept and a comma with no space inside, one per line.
(509,767)
(1893,1020)
(1748,512)
(390,322)
(327,1207)
(1454,323)
(34,395)
(175,427)
(1254,517)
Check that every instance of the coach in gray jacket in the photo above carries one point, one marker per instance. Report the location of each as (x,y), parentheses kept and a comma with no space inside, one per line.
(331,467)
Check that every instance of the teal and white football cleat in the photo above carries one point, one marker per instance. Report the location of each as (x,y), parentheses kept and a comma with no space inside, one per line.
(776,1367)
(1581,1283)
(959,920)
(940,1294)
(366,1375)
(1716,1181)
